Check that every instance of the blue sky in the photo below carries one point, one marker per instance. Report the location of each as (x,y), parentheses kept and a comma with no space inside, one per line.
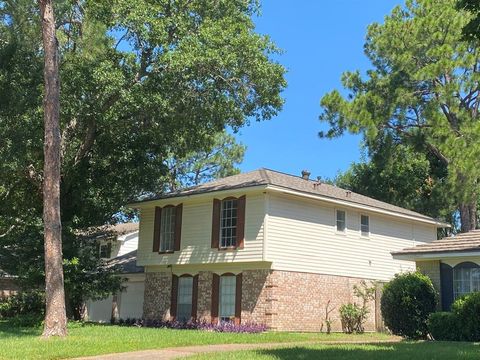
(321,39)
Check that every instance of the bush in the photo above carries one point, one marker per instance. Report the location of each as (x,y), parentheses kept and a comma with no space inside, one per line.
(467,309)
(23,303)
(445,326)
(406,303)
(352,317)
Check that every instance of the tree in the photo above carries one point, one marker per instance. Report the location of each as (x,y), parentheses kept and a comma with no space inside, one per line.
(55,316)
(422,90)
(216,161)
(472,28)
(142,82)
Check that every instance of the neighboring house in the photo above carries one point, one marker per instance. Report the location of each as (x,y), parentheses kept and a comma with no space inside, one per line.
(8,285)
(118,244)
(452,263)
(269,248)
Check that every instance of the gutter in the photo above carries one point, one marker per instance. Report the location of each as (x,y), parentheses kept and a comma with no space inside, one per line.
(435,255)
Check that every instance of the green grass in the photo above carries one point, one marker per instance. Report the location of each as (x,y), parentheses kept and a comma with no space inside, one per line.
(399,351)
(91,339)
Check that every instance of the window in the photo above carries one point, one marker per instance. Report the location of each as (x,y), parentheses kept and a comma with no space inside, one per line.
(228,223)
(184,300)
(167,231)
(227,297)
(341,220)
(465,281)
(106,250)
(364,225)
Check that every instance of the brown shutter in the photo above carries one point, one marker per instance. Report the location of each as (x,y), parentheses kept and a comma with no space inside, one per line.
(215,298)
(178,227)
(195,297)
(156,229)
(238,299)
(216,223)
(240,221)
(173,299)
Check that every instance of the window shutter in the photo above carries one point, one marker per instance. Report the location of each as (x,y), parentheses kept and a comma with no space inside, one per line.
(195,297)
(446,286)
(216,223)
(178,227)
(156,229)
(240,221)
(173,299)
(238,299)
(215,298)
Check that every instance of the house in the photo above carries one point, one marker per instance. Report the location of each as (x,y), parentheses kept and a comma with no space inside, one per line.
(118,246)
(452,263)
(8,285)
(270,248)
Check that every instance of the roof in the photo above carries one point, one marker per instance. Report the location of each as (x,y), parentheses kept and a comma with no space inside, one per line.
(463,242)
(109,230)
(266,177)
(127,263)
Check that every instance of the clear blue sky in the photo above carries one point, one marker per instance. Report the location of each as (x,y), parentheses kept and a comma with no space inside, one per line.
(321,39)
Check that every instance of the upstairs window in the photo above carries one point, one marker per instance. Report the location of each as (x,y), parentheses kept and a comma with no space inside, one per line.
(106,250)
(167,230)
(228,223)
(341,220)
(365,225)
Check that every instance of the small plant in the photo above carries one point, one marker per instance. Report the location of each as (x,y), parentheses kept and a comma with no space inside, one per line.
(327,322)
(353,316)
(406,304)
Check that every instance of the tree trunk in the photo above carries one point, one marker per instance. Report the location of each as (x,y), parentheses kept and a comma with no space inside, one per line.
(55,316)
(468,217)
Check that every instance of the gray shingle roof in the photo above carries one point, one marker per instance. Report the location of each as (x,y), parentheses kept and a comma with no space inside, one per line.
(127,263)
(263,177)
(469,241)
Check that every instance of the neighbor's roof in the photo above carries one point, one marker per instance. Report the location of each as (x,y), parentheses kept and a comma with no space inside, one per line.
(469,241)
(107,231)
(127,263)
(267,177)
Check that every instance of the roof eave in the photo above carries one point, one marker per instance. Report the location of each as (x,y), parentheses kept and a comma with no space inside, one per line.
(198,195)
(347,203)
(434,255)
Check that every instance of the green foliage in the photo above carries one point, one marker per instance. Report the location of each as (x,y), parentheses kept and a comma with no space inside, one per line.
(421,91)
(141,82)
(26,303)
(467,310)
(353,316)
(406,303)
(445,326)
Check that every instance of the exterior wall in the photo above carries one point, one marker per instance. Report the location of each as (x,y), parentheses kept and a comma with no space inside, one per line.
(432,270)
(284,301)
(8,287)
(302,236)
(129,244)
(195,244)
(158,287)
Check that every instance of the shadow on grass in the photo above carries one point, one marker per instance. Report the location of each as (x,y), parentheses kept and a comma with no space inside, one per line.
(8,329)
(400,351)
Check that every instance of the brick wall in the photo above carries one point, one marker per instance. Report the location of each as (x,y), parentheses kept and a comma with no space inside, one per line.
(432,270)
(156,303)
(284,301)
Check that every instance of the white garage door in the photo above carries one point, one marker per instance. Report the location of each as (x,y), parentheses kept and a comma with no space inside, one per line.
(131,300)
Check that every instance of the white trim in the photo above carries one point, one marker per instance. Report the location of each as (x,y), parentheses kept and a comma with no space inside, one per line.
(435,256)
(345,203)
(265,224)
(340,232)
(361,232)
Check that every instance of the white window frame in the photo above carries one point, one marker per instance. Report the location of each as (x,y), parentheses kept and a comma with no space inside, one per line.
(227,297)
(184,298)
(228,223)
(362,233)
(470,283)
(344,231)
(167,229)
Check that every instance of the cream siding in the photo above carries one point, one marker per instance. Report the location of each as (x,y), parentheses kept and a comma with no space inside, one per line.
(196,235)
(302,236)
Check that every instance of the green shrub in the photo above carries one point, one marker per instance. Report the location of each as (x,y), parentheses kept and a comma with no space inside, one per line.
(406,303)
(445,326)
(467,309)
(352,317)
(23,303)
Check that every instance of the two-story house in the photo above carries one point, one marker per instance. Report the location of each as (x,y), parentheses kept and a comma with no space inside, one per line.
(269,248)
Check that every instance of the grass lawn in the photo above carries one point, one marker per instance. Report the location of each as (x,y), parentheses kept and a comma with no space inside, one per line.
(90,339)
(400,351)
